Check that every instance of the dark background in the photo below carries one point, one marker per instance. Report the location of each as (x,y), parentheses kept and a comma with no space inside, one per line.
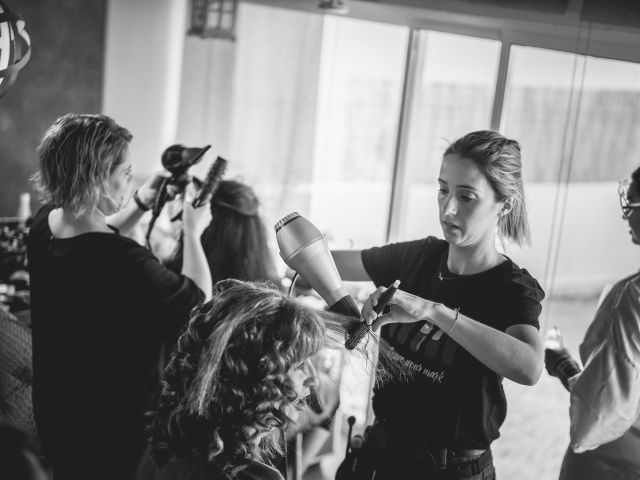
(63,75)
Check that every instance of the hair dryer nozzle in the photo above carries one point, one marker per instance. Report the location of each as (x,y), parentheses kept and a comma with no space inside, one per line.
(178,158)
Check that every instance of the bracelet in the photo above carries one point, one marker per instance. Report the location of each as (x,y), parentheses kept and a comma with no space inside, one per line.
(455,320)
(141,205)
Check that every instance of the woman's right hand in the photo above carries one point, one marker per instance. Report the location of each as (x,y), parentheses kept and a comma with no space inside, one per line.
(194,220)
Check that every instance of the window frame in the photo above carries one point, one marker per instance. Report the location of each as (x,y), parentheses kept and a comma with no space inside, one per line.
(565,33)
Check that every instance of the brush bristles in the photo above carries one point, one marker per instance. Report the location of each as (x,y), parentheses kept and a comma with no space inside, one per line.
(356,337)
(214,176)
(218,168)
(216,171)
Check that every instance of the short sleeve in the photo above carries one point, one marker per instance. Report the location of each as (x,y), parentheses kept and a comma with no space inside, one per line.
(605,397)
(387,263)
(523,300)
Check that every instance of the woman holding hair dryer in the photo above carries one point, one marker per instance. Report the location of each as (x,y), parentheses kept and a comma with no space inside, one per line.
(466,317)
(101,303)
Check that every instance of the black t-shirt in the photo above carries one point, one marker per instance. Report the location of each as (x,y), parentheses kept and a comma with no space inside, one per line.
(101,307)
(452,400)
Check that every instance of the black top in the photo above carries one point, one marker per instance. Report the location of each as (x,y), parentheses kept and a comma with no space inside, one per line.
(452,400)
(101,306)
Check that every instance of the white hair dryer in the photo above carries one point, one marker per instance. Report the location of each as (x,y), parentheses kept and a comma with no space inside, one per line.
(305,249)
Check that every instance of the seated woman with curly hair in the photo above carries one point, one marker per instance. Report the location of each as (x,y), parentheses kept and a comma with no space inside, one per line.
(239,373)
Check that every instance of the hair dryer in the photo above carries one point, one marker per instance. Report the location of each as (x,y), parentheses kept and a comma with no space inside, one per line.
(210,185)
(305,249)
(177,159)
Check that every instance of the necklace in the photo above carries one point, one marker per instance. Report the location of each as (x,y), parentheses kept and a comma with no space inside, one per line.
(442,270)
(442,277)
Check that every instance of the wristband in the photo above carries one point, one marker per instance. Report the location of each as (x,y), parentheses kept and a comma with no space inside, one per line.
(141,205)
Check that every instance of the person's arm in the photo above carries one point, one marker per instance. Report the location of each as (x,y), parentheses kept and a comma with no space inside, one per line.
(125,219)
(516,354)
(349,264)
(194,264)
(605,397)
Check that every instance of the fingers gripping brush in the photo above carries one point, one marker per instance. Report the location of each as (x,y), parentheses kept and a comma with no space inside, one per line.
(356,337)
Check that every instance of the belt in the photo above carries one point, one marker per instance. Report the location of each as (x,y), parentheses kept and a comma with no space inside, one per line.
(466,453)
(469,465)
(387,439)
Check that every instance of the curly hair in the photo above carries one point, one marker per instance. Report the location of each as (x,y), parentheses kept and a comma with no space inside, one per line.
(77,153)
(227,381)
(235,242)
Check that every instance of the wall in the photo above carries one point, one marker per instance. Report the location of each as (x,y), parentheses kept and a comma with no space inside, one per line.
(143,64)
(64,75)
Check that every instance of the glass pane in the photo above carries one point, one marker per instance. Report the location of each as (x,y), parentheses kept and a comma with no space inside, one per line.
(577,120)
(361,77)
(454,93)
(274,98)
(322,119)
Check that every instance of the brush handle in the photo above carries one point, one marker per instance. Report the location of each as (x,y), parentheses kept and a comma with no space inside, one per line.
(386,297)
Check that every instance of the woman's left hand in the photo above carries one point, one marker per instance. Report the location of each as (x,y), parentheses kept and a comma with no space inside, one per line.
(405,308)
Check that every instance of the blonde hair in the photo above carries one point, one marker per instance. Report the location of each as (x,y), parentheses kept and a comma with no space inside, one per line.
(77,153)
(499,160)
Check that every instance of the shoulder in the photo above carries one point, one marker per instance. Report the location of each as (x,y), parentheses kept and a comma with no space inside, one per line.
(519,281)
(40,224)
(42,214)
(621,309)
(427,243)
(629,287)
(417,247)
(403,260)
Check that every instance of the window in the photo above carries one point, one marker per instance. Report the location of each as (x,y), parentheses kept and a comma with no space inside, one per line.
(315,123)
(578,123)
(576,119)
(361,79)
(455,85)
